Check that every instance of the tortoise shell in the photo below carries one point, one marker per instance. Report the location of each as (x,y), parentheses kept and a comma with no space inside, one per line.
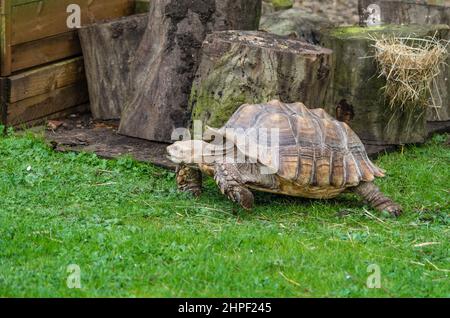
(314,149)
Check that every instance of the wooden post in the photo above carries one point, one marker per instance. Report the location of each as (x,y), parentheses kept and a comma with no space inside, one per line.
(426,12)
(168,56)
(355,80)
(107,49)
(404,12)
(240,67)
(297,23)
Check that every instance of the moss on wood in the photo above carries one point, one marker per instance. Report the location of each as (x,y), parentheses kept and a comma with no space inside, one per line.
(355,78)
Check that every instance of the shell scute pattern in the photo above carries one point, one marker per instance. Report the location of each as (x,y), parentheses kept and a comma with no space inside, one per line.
(314,148)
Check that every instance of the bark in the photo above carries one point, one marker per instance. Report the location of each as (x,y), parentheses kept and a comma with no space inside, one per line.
(406,12)
(240,67)
(296,23)
(168,56)
(107,49)
(355,79)
(418,12)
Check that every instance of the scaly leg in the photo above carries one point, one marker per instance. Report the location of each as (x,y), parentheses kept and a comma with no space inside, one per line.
(189,180)
(372,194)
(229,180)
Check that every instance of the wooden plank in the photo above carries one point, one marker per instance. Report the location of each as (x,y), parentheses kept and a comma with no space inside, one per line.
(41,19)
(103,47)
(5,37)
(4,96)
(406,12)
(45,79)
(42,105)
(44,51)
(83,108)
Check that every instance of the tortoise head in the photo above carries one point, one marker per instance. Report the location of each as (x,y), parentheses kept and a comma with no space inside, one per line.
(187,152)
(345,112)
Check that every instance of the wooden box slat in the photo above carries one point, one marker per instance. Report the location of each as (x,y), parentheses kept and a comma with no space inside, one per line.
(43,105)
(43,91)
(37,20)
(35,32)
(45,79)
(44,51)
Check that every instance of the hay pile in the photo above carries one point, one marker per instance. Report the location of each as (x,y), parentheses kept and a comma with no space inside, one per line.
(409,65)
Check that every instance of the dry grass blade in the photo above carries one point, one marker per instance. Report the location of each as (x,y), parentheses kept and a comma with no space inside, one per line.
(409,65)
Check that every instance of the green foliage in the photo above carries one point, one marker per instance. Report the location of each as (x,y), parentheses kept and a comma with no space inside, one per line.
(133,234)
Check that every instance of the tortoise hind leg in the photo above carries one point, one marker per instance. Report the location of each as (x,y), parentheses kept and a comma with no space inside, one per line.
(189,180)
(230,182)
(372,194)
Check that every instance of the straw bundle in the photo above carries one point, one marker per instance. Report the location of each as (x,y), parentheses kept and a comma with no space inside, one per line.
(409,66)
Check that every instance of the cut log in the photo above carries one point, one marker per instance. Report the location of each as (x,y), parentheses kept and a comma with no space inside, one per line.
(30,96)
(417,12)
(440,104)
(107,49)
(240,67)
(404,12)
(295,23)
(168,56)
(355,80)
(267,7)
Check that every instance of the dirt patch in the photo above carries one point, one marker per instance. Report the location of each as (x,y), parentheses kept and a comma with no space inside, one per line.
(80,133)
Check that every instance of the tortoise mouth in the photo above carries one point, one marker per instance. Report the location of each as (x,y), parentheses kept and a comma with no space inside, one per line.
(174,159)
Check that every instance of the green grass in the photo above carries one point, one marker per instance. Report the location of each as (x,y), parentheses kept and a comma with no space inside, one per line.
(134,235)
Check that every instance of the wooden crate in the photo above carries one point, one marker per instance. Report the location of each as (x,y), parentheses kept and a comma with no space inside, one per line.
(36,94)
(40,57)
(35,32)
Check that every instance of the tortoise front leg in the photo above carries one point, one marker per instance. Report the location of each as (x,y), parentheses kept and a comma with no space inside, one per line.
(230,182)
(372,194)
(189,180)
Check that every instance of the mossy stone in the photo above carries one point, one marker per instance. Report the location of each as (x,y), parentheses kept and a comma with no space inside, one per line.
(282,4)
(355,79)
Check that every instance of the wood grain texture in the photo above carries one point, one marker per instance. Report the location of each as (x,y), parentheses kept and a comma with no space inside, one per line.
(168,56)
(37,20)
(45,51)
(107,50)
(240,67)
(5,37)
(407,12)
(45,104)
(355,79)
(35,32)
(45,79)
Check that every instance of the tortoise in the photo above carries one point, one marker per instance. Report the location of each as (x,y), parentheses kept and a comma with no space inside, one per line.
(315,156)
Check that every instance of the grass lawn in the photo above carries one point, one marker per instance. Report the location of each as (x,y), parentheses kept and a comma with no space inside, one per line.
(133,235)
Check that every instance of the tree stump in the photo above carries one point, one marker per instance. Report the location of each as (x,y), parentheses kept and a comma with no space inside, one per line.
(295,23)
(355,79)
(107,49)
(413,12)
(168,56)
(240,67)
(405,12)
(441,96)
